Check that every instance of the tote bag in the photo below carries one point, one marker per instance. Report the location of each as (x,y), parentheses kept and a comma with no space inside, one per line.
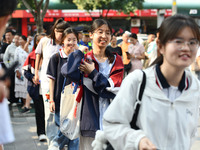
(70,111)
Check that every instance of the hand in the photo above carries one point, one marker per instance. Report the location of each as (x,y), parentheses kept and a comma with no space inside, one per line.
(29,39)
(83,49)
(87,67)
(18,74)
(36,79)
(52,106)
(145,144)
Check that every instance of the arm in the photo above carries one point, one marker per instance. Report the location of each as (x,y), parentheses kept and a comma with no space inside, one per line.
(37,62)
(27,44)
(52,74)
(51,93)
(6,57)
(28,75)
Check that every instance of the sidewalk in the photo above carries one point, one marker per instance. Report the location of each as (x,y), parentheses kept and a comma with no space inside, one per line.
(26,138)
(24,128)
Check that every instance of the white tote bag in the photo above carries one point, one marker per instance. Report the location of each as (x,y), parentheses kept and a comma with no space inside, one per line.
(70,111)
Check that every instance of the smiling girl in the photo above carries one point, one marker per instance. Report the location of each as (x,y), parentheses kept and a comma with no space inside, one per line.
(169,111)
(69,40)
(103,74)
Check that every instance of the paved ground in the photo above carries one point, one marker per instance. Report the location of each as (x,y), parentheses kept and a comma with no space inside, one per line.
(26,138)
(25,132)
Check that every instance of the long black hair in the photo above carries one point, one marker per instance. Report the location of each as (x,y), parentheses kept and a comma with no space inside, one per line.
(60,25)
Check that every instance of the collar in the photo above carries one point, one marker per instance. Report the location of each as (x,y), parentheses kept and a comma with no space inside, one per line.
(53,42)
(62,53)
(162,82)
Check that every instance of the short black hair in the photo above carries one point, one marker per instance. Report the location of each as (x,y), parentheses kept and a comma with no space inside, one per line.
(11,31)
(7,7)
(133,35)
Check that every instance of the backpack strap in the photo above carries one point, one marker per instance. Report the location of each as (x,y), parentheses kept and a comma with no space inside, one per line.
(138,103)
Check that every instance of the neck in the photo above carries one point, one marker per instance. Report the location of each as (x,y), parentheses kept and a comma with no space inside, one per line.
(113,45)
(57,42)
(99,53)
(173,76)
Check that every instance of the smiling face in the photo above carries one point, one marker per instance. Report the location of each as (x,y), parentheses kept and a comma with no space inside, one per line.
(176,58)
(101,36)
(22,42)
(70,42)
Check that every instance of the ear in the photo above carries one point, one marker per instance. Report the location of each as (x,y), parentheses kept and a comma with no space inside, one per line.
(160,47)
(91,35)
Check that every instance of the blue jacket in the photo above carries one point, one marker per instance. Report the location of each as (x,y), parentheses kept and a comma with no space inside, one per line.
(98,86)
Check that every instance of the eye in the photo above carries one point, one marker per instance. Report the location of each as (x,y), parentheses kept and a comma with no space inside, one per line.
(108,33)
(193,42)
(178,41)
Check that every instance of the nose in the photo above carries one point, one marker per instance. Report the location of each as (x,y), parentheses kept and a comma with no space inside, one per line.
(185,46)
(103,34)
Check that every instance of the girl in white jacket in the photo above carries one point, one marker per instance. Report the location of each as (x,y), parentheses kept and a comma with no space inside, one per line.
(169,111)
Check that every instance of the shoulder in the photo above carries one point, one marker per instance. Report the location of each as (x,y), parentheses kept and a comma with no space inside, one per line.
(193,80)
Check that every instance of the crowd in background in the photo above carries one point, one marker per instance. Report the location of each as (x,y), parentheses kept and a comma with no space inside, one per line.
(39,76)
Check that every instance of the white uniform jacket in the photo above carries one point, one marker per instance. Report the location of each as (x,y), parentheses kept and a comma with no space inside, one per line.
(169,125)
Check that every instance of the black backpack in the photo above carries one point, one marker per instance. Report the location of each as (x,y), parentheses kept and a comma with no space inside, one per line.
(135,115)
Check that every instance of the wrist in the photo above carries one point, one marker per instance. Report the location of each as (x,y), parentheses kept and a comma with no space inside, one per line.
(51,101)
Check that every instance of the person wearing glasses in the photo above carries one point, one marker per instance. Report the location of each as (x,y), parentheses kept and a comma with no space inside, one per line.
(169,110)
(102,76)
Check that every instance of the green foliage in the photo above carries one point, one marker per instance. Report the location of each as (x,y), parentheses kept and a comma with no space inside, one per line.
(30,2)
(125,6)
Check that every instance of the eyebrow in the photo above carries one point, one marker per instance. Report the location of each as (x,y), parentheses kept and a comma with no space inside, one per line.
(183,38)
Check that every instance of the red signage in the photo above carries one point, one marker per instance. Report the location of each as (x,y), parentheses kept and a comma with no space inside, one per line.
(81,13)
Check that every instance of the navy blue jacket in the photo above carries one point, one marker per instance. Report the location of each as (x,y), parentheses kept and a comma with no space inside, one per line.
(90,104)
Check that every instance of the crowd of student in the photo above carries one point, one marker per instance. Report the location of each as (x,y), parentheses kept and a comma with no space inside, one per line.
(168,117)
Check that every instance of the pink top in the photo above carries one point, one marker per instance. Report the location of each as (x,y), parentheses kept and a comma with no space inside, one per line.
(137,50)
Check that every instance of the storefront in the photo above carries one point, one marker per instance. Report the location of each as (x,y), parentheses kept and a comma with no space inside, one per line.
(141,21)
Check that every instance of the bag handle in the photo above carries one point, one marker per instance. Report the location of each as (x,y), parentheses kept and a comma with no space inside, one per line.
(138,103)
(64,85)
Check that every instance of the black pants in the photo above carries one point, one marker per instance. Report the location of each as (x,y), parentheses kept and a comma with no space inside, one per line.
(12,98)
(39,114)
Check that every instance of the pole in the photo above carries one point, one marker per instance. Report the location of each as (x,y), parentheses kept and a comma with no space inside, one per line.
(174,7)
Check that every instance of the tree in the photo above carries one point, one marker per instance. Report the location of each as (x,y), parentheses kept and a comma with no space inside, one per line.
(38,9)
(125,6)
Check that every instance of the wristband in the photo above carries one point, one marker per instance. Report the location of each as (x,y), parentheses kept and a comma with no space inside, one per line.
(51,101)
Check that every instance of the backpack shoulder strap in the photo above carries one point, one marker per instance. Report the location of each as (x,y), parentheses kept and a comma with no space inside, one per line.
(138,103)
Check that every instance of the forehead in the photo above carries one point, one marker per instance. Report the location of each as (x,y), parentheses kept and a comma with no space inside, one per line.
(8,33)
(186,32)
(70,35)
(103,27)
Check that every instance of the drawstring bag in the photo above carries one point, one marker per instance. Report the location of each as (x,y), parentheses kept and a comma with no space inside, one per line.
(70,110)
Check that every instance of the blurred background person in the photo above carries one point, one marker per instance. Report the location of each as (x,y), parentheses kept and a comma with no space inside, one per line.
(33,90)
(85,41)
(146,43)
(6,133)
(124,47)
(8,60)
(21,82)
(113,47)
(135,53)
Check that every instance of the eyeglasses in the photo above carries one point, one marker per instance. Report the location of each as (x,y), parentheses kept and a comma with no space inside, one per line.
(180,44)
(101,32)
